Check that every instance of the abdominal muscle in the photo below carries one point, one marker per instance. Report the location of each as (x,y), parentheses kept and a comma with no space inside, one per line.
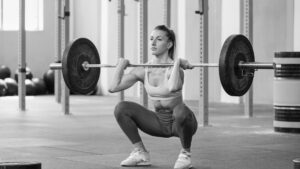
(167,104)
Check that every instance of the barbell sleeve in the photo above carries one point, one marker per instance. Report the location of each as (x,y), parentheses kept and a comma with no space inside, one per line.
(98,65)
(256,65)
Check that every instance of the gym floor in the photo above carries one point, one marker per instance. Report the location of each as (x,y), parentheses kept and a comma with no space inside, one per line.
(90,138)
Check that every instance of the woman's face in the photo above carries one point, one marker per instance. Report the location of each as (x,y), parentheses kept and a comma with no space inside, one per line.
(159,42)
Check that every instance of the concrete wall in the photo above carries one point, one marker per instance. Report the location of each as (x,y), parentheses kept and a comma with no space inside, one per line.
(215,44)
(40,45)
(86,23)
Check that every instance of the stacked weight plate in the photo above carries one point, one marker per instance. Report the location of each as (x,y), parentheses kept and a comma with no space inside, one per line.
(287,92)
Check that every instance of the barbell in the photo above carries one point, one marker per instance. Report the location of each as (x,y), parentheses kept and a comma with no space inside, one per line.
(81,65)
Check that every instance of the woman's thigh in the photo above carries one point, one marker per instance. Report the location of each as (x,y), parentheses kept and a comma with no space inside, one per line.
(146,120)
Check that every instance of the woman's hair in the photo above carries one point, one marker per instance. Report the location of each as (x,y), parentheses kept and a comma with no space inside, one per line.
(171,35)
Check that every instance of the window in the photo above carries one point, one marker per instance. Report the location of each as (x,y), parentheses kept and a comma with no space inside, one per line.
(9,15)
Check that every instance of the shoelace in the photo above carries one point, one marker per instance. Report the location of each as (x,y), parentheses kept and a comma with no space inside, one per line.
(185,156)
(134,153)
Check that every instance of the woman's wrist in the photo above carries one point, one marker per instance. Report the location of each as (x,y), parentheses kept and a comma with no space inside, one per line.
(122,64)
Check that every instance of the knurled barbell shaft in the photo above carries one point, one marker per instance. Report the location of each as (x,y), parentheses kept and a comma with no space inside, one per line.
(151,65)
(245,65)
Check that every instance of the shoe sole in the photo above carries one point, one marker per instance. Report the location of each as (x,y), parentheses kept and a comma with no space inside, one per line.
(139,164)
(189,167)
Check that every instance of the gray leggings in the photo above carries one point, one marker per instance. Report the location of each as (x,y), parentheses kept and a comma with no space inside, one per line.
(132,116)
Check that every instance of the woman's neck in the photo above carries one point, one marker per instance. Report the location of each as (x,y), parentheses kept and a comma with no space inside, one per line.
(162,59)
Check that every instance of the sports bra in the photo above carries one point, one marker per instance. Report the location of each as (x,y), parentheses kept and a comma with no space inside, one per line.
(160,92)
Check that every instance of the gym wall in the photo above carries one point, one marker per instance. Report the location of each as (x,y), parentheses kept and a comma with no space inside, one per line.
(274,29)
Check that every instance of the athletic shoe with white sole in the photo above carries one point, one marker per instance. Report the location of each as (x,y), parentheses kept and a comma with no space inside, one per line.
(184,161)
(137,158)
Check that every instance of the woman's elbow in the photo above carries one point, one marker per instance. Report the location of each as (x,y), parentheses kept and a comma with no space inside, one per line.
(112,90)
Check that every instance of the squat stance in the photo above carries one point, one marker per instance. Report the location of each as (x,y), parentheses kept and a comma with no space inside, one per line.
(171,116)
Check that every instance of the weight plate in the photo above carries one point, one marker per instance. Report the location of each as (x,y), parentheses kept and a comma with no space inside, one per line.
(236,49)
(78,80)
(20,165)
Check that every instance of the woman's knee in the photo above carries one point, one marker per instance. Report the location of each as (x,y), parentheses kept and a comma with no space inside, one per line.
(122,108)
(180,114)
(183,115)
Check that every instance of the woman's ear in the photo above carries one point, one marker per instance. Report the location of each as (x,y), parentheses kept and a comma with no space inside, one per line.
(170,44)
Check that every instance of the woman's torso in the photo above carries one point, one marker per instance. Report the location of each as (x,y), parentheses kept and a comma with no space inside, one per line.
(155,82)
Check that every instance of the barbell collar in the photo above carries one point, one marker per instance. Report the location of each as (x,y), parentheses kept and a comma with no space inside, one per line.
(55,66)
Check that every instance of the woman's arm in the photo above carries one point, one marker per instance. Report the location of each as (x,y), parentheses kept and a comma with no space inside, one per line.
(123,81)
(175,81)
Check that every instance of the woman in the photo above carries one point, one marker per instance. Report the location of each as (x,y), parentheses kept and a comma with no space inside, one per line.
(171,116)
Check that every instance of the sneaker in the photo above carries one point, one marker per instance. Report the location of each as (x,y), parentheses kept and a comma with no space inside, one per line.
(184,161)
(137,158)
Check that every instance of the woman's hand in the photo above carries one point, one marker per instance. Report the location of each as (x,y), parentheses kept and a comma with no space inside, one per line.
(184,64)
(121,81)
(123,63)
